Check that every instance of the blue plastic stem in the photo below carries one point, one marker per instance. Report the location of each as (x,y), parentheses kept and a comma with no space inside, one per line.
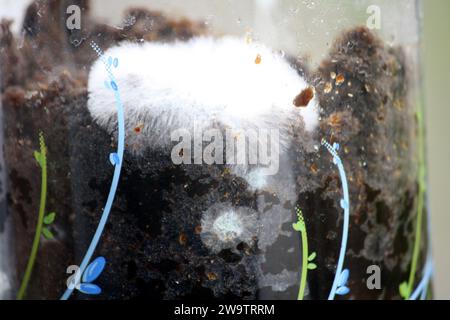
(346,206)
(421,289)
(114,184)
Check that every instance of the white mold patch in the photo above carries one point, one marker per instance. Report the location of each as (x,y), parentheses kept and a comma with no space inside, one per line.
(257,179)
(228,226)
(278,282)
(225,226)
(198,83)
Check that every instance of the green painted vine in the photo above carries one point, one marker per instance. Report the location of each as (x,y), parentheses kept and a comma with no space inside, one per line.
(44,221)
(307,259)
(406,287)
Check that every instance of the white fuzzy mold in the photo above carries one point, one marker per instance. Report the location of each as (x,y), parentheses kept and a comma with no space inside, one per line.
(225,226)
(199,83)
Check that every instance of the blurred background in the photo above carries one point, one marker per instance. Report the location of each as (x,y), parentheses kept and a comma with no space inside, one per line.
(436,46)
(436,55)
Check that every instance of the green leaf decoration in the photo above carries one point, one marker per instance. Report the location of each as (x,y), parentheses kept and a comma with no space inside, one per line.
(404,290)
(47,233)
(48,219)
(419,116)
(41,159)
(312,256)
(312,266)
(299,226)
(38,157)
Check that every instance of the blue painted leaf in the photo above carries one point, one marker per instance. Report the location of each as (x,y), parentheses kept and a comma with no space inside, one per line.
(344,204)
(114,158)
(110,61)
(116,62)
(94,269)
(342,290)
(114,85)
(343,278)
(89,288)
(336,146)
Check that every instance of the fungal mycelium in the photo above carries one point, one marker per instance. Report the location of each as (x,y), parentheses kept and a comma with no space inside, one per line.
(198,83)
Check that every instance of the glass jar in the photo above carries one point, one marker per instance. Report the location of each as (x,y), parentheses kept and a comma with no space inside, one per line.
(213,150)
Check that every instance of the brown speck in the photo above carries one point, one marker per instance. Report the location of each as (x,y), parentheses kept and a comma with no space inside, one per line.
(398,104)
(328,87)
(314,168)
(138,129)
(182,239)
(211,276)
(303,99)
(340,79)
(258,59)
(335,120)
(198,229)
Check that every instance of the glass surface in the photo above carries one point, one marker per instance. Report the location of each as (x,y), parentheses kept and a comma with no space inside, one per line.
(213,150)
